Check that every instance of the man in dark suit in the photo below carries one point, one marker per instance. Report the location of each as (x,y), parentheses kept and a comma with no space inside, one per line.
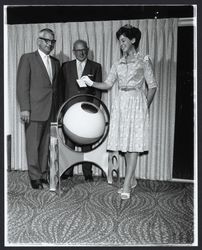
(70,72)
(37,95)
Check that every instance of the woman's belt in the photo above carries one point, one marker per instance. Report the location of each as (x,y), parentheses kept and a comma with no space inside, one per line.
(128,88)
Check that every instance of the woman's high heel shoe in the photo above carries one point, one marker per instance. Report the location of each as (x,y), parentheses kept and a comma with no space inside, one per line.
(125,195)
(120,190)
(134,184)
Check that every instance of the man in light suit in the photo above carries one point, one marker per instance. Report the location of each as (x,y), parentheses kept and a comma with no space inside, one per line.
(37,95)
(70,72)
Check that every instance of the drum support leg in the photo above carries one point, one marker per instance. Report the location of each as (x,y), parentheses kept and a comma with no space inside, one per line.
(114,162)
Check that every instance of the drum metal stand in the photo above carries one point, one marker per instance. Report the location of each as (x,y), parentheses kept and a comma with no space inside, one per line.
(62,158)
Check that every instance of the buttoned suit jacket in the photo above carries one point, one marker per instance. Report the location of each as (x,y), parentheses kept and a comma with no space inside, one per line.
(35,92)
(68,76)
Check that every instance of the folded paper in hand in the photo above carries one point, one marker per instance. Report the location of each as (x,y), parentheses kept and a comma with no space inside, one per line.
(81,83)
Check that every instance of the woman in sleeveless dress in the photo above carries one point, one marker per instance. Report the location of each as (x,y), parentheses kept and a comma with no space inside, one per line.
(129,123)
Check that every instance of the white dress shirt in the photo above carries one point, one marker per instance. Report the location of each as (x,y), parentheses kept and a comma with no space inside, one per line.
(80,67)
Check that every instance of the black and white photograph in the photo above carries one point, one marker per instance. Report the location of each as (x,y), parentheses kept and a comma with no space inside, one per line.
(100,122)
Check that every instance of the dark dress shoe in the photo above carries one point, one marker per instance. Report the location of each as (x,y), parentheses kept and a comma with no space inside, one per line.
(36,184)
(66,176)
(89,178)
(44,181)
(104,175)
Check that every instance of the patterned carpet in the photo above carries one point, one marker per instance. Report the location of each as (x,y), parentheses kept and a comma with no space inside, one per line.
(92,214)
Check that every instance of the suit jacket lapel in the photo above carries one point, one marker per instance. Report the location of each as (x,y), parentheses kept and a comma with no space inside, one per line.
(74,69)
(42,66)
(86,69)
(53,68)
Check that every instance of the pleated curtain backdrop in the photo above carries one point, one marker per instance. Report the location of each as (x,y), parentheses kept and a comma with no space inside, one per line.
(159,40)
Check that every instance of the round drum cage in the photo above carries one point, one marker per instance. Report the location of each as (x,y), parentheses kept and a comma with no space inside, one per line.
(88,102)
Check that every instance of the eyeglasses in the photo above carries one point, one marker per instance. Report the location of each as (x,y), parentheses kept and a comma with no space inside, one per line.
(48,40)
(80,50)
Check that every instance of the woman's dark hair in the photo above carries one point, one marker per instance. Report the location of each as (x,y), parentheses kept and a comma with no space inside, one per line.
(130,32)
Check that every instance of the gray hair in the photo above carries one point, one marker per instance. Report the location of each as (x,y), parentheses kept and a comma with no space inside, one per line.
(41,32)
(80,41)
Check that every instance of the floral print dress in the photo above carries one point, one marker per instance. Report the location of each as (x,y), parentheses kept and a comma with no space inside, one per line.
(129,118)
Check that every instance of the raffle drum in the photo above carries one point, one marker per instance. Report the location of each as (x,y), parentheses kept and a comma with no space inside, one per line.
(84,120)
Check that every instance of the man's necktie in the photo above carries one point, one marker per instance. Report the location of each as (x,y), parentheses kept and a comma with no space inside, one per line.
(80,70)
(49,68)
